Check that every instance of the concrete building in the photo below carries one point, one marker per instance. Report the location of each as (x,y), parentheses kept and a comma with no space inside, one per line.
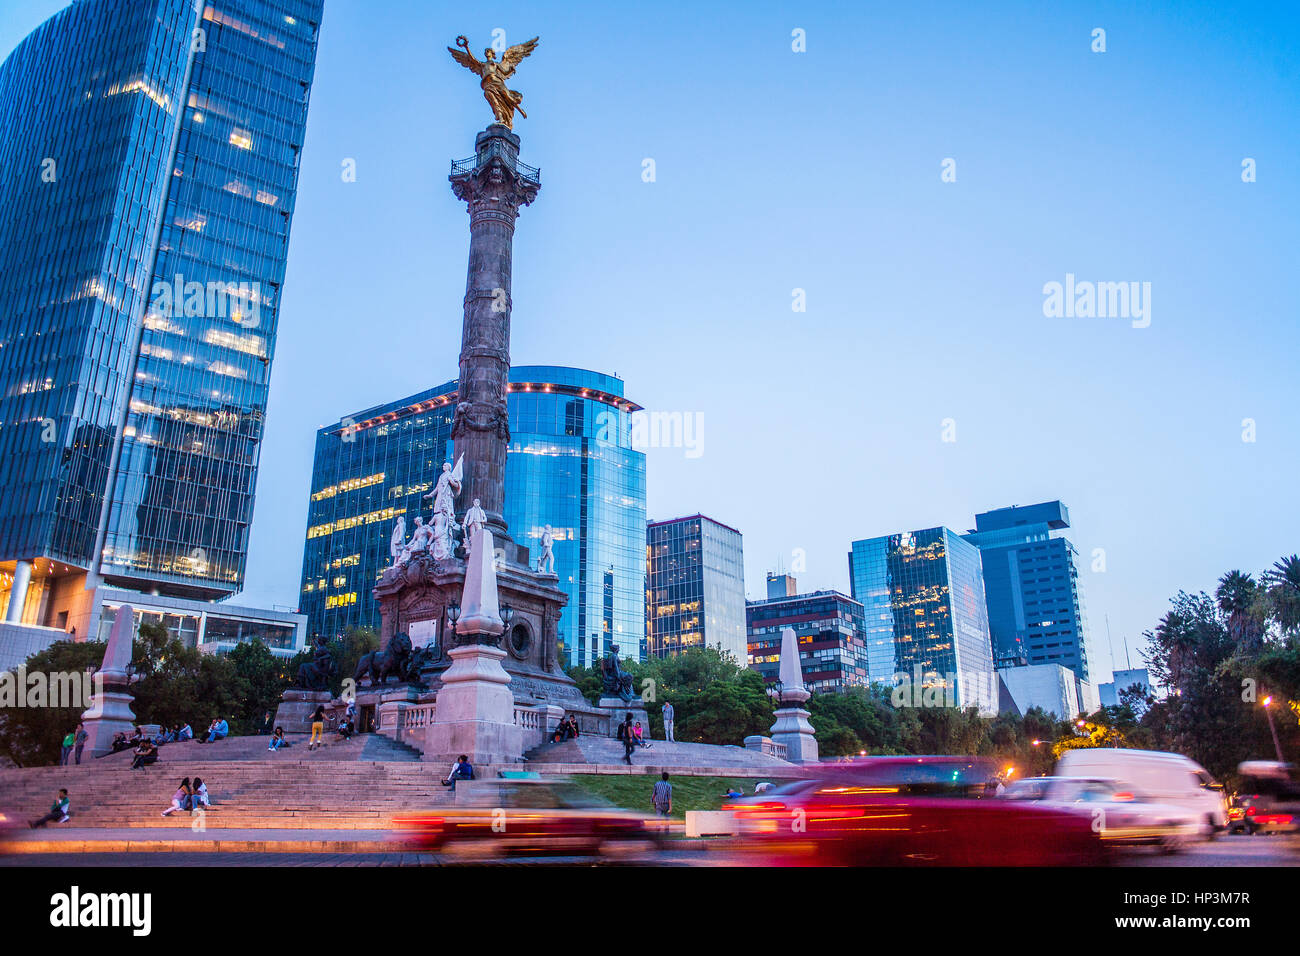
(1049,686)
(1108,694)
(694,587)
(828,626)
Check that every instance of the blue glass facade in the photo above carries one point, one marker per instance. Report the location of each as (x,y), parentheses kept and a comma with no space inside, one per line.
(831,630)
(570,464)
(1031,578)
(149,147)
(926,621)
(694,587)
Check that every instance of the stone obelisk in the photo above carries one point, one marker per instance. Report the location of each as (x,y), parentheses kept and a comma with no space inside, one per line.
(494,185)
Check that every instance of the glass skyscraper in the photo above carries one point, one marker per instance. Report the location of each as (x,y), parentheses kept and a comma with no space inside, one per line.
(1031,577)
(150,162)
(694,587)
(927,624)
(570,464)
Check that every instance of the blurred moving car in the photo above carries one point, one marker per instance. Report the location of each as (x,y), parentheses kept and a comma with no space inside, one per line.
(1157,776)
(913,811)
(1121,816)
(520,816)
(1269,798)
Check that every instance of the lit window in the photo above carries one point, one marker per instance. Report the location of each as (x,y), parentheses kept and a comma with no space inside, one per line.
(241,138)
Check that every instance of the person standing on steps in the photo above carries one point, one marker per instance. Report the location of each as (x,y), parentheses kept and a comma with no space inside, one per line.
(80,740)
(669,719)
(626,734)
(317,728)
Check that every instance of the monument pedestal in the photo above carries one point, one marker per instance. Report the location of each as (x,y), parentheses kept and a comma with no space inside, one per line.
(296,708)
(619,709)
(793,729)
(109,714)
(110,708)
(475,714)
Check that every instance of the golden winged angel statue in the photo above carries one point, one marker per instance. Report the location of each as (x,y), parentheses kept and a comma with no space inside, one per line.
(494,73)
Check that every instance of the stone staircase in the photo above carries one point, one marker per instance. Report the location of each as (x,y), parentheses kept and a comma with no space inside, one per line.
(357,784)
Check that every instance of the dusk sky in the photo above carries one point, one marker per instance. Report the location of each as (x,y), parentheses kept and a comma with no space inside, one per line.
(820,171)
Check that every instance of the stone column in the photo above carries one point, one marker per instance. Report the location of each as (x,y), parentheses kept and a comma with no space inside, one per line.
(18,592)
(792,727)
(475,710)
(110,709)
(493,188)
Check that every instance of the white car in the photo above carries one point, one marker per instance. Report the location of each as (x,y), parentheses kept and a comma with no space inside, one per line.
(1121,816)
(1160,777)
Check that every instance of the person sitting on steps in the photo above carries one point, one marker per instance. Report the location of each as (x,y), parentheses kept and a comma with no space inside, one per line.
(460,770)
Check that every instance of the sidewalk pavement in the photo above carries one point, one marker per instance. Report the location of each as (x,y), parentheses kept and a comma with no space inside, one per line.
(166,840)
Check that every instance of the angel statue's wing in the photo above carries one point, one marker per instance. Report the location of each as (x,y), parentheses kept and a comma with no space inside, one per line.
(458,472)
(467,60)
(510,59)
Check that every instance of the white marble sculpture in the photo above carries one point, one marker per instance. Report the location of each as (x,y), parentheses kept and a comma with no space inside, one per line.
(546,560)
(444,508)
(397,543)
(420,539)
(475,519)
(440,543)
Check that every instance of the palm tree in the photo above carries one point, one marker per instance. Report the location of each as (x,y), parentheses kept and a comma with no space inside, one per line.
(1237,596)
(1283,580)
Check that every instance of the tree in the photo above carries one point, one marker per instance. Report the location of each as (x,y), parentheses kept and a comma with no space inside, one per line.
(32,736)
(1238,597)
(260,680)
(1283,583)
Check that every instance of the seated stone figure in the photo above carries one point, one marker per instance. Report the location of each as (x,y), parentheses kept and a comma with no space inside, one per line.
(614,680)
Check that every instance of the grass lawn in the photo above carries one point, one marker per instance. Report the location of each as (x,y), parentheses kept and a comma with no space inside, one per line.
(632,791)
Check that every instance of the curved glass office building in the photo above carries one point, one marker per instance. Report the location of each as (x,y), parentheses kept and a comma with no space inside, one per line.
(149,161)
(570,464)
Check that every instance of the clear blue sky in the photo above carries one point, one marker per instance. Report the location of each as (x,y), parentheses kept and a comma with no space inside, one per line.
(821,171)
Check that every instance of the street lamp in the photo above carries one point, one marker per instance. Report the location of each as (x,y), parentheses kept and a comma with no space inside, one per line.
(1268,712)
(774,690)
(507,612)
(453,613)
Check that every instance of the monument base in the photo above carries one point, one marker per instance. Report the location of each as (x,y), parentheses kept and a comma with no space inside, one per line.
(296,708)
(619,709)
(112,715)
(475,712)
(794,731)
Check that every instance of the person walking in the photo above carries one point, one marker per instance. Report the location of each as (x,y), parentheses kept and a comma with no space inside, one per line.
(317,729)
(625,734)
(58,812)
(662,797)
(66,750)
(80,740)
(670,717)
